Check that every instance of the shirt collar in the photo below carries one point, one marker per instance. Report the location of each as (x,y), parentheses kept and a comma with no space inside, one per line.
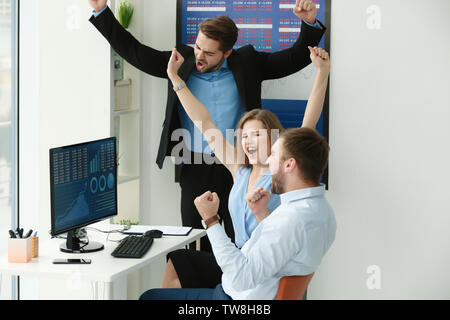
(301,194)
(224,65)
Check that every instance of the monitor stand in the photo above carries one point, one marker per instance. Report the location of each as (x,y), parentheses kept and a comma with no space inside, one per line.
(75,245)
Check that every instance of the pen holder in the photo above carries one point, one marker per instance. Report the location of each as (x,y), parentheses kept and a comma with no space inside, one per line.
(19,250)
(34,247)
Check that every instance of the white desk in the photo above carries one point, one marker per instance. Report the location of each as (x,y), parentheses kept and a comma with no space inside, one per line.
(105,271)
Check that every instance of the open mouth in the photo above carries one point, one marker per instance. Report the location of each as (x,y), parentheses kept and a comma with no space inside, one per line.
(251,150)
(200,65)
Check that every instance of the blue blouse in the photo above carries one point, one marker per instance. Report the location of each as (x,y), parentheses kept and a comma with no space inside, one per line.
(244,221)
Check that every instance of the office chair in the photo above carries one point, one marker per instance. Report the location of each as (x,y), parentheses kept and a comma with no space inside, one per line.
(293,287)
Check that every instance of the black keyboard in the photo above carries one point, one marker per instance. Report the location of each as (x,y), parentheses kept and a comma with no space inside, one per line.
(132,247)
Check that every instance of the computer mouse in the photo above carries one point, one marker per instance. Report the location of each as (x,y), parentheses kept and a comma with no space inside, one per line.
(153,234)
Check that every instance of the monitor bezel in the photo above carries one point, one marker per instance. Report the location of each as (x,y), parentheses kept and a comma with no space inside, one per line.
(54,232)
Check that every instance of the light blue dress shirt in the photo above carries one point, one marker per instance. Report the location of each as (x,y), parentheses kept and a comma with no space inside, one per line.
(292,240)
(244,221)
(218,92)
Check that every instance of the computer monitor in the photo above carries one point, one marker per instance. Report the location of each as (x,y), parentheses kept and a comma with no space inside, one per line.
(83,189)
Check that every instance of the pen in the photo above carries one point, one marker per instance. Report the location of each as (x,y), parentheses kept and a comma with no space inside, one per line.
(12,234)
(20,232)
(28,234)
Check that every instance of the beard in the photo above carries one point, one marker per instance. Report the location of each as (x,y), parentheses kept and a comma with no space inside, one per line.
(210,68)
(278,183)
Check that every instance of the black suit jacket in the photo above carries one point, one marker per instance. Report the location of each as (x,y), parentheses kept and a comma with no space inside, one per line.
(249,67)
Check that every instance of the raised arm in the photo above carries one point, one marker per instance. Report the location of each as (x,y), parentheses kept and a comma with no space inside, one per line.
(144,58)
(321,61)
(285,62)
(198,113)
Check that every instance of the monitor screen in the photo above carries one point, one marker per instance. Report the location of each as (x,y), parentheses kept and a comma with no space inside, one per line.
(83,184)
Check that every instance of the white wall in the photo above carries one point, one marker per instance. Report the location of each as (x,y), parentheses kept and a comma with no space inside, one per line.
(74,82)
(65,99)
(389,161)
(160,195)
(162,205)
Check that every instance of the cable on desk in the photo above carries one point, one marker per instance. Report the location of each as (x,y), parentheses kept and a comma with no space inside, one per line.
(109,232)
(126,227)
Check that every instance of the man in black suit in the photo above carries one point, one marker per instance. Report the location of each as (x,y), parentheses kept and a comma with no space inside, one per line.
(223,79)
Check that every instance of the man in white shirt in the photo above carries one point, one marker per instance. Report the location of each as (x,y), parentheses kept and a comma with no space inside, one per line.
(290,241)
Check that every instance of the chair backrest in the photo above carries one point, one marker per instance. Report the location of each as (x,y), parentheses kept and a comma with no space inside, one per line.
(293,287)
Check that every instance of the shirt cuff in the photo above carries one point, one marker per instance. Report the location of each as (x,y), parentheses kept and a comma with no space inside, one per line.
(216,235)
(315,25)
(96,14)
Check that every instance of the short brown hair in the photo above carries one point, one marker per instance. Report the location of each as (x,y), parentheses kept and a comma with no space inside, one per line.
(309,149)
(222,29)
(269,120)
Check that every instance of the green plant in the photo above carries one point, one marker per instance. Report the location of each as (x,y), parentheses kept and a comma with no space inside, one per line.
(128,223)
(126,11)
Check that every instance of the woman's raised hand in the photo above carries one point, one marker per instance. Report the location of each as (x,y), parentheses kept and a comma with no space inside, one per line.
(320,58)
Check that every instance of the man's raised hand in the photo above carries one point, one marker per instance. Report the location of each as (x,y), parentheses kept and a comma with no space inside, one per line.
(98,5)
(175,62)
(207,204)
(306,10)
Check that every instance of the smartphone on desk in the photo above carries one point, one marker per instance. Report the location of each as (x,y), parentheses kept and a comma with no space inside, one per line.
(71,261)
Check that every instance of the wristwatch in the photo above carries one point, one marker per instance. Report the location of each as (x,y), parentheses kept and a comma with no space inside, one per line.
(179,87)
(208,222)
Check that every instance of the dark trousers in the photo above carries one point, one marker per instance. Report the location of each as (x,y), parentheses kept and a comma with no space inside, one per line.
(185,294)
(196,179)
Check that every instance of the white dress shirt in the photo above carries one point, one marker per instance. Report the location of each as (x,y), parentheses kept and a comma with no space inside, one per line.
(290,241)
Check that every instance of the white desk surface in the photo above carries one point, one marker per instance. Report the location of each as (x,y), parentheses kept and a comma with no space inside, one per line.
(104,267)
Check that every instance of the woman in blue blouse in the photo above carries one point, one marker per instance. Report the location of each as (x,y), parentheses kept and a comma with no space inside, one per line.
(256,132)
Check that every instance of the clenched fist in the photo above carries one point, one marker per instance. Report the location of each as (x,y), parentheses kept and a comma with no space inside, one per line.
(207,204)
(175,62)
(320,58)
(258,200)
(306,10)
